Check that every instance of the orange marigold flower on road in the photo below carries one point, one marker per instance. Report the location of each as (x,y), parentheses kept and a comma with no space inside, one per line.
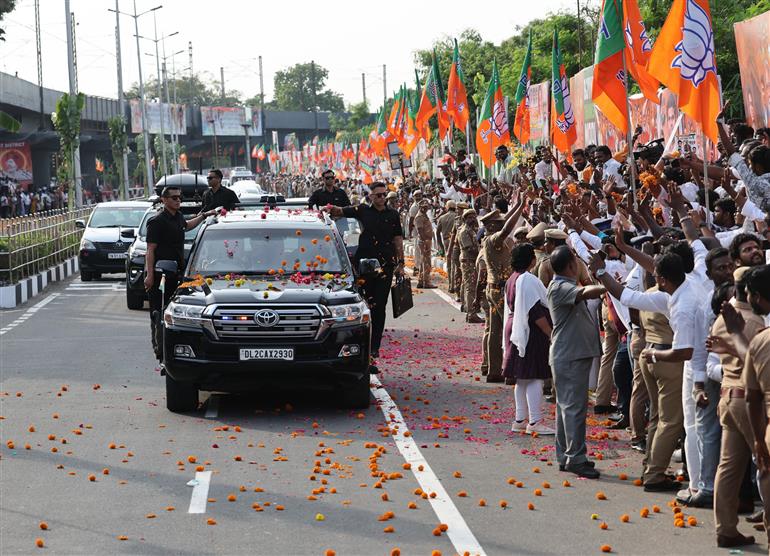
(170,508)
(43,525)
(656,509)
(601,496)
(623,477)
(384,497)
(546,484)
(462,494)
(503,504)
(232,498)
(211,521)
(105,471)
(192,459)
(691,521)
(298,232)
(677,510)
(10,445)
(644,512)
(457,475)
(279,508)
(31,428)
(435,553)
(530,506)
(407,466)
(606,548)
(395,551)
(238,458)
(39,543)
(482,502)
(538,492)
(625,518)
(92,478)
(150,516)
(412,505)
(124,537)
(679,523)
(200,468)
(519,484)
(603,525)
(637,482)
(330,552)
(566,484)
(535,470)
(511,481)
(437,532)
(389,529)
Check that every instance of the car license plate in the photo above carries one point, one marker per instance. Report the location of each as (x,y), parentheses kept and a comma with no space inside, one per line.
(117,255)
(285,354)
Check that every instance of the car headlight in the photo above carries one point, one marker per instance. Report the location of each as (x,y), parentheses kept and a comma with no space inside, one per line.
(178,314)
(138,252)
(355,313)
(86,244)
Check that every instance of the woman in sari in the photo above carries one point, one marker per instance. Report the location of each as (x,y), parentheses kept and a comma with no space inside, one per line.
(526,340)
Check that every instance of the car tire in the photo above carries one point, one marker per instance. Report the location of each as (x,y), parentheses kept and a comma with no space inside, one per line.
(355,394)
(86,276)
(180,396)
(134,301)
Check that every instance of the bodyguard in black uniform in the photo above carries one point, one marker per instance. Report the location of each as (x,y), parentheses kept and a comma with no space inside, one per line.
(218,195)
(165,241)
(328,194)
(382,238)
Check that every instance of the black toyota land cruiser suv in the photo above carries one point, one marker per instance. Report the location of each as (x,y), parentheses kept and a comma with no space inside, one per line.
(268,296)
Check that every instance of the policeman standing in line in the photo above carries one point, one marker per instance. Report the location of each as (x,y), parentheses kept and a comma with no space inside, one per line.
(469,251)
(424,229)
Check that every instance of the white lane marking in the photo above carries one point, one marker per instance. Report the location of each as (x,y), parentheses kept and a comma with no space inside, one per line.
(446,297)
(212,407)
(200,493)
(28,313)
(459,533)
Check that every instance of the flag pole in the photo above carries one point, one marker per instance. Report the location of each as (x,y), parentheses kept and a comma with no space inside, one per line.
(630,136)
(706,181)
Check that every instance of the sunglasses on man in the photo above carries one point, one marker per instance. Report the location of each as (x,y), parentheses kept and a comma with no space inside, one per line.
(379,195)
(174,197)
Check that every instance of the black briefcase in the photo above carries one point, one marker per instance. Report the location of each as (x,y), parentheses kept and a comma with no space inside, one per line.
(401,296)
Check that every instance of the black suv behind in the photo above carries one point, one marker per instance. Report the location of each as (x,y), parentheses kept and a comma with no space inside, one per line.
(270,296)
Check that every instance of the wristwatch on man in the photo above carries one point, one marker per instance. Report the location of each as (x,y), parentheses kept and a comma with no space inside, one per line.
(601,272)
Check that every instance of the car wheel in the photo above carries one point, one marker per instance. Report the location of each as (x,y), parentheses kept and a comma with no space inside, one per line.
(134,301)
(355,393)
(180,396)
(97,275)
(86,276)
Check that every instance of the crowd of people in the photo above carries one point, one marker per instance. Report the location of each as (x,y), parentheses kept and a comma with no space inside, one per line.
(17,201)
(650,301)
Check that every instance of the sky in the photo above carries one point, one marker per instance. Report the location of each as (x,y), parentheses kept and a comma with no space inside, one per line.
(348,38)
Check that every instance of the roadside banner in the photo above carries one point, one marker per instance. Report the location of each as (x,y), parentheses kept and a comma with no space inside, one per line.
(16,162)
(753,45)
(538,113)
(229,121)
(174,117)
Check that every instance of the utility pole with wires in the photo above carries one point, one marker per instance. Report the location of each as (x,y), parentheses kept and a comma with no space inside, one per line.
(73,91)
(41,125)
(160,95)
(121,100)
(363,86)
(384,85)
(261,93)
(315,103)
(222,82)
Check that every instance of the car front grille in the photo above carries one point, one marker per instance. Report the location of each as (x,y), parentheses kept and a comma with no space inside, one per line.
(112,246)
(295,322)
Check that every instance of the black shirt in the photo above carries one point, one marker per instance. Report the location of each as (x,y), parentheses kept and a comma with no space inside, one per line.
(167,232)
(322,197)
(379,228)
(224,197)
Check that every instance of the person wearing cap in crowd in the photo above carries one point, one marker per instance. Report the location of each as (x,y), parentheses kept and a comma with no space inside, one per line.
(412,231)
(392,200)
(520,234)
(553,239)
(469,251)
(329,194)
(497,247)
(536,236)
(737,442)
(443,234)
(455,278)
(424,244)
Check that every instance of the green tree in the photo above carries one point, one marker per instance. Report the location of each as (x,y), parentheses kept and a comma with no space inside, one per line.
(66,121)
(294,90)
(200,90)
(6,7)
(355,120)
(119,145)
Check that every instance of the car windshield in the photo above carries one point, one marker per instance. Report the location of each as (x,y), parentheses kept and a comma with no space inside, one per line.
(108,217)
(258,251)
(189,235)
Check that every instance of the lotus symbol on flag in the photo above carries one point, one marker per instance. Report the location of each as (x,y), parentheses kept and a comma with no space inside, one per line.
(645,40)
(569,116)
(696,58)
(499,120)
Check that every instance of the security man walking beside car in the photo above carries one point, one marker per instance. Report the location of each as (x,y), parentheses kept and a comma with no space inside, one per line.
(165,241)
(218,195)
(329,194)
(382,238)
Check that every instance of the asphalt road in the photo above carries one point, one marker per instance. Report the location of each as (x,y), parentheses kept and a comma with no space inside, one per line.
(98,458)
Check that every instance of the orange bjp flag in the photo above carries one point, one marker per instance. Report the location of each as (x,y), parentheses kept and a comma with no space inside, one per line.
(683,59)
(492,128)
(457,96)
(638,49)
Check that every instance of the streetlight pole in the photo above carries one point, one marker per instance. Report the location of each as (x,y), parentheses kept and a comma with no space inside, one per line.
(121,99)
(160,95)
(176,106)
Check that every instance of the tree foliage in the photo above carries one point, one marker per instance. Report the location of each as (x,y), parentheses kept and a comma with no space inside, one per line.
(200,90)
(294,88)
(66,121)
(6,6)
(119,145)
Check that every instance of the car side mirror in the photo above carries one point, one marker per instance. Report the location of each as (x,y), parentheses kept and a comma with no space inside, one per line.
(128,234)
(80,224)
(167,266)
(369,266)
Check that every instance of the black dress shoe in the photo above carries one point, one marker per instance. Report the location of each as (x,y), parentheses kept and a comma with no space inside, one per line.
(604,409)
(666,485)
(701,500)
(373,370)
(739,540)
(756,517)
(563,466)
(495,378)
(510,381)
(639,446)
(620,425)
(583,470)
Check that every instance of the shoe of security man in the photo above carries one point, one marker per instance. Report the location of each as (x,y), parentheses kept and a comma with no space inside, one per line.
(583,470)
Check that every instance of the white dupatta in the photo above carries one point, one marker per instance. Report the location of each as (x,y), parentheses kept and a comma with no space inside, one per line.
(529,290)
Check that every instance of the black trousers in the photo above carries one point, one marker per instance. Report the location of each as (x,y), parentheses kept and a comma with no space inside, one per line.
(376,289)
(158,301)
(623,375)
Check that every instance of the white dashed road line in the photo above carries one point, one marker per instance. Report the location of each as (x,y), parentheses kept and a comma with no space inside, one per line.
(458,531)
(446,297)
(200,493)
(28,313)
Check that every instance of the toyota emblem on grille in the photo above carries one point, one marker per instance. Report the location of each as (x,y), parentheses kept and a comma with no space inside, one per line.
(266,318)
